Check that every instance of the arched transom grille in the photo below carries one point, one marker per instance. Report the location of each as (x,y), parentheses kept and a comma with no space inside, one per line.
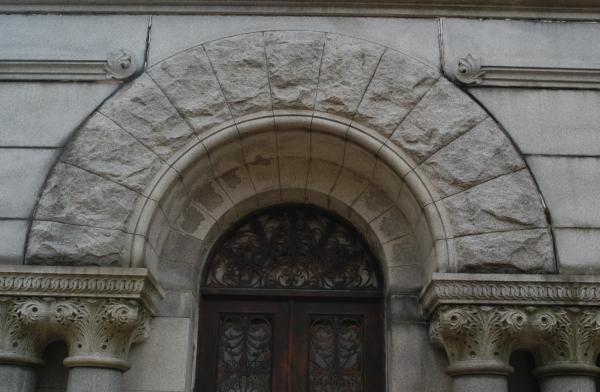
(292,248)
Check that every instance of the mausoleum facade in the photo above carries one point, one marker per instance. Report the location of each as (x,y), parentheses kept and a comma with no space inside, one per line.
(254,197)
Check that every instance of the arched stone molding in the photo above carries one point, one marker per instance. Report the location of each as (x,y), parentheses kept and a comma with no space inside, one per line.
(242,122)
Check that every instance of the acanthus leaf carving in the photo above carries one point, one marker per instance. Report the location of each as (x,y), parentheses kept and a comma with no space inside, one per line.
(98,332)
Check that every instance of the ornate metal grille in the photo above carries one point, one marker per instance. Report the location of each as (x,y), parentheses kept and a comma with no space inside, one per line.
(292,248)
(244,359)
(336,349)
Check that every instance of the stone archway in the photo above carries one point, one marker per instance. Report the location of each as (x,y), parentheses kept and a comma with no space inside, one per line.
(235,109)
(208,135)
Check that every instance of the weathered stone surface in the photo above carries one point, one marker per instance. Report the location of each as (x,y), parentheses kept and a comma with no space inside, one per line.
(441,116)
(510,202)
(570,186)
(73,195)
(349,186)
(240,65)
(189,82)
(546,121)
(578,250)
(391,224)
(348,65)
(182,248)
(12,233)
(161,363)
(372,203)
(294,58)
(480,154)
(22,174)
(264,174)
(395,89)
(522,251)
(103,148)
(142,110)
(194,221)
(403,251)
(57,243)
(19,100)
(238,184)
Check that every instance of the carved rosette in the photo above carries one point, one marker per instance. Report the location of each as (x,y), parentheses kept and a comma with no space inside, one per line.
(477,339)
(98,332)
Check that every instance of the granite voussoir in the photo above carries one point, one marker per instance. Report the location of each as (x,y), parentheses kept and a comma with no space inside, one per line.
(294,58)
(189,82)
(441,116)
(142,110)
(240,65)
(104,148)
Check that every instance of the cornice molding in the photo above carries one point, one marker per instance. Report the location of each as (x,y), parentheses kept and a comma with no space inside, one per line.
(118,65)
(470,71)
(80,282)
(509,289)
(547,9)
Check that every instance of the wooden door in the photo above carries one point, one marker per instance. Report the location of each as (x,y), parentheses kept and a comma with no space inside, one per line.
(291,346)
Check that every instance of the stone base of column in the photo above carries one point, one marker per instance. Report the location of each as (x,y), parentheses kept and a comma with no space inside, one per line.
(90,379)
(479,383)
(17,378)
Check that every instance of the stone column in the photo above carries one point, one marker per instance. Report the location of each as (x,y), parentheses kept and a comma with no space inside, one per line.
(567,345)
(99,334)
(478,341)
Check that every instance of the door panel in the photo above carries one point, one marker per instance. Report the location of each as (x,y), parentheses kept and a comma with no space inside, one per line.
(339,347)
(244,347)
(291,346)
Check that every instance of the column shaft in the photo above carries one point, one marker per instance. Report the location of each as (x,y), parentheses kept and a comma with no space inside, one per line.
(90,379)
(568,383)
(17,378)
(480,383)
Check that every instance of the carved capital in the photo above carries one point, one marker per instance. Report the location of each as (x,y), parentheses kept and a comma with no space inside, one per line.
(566,340)
(477,339)
(98,332)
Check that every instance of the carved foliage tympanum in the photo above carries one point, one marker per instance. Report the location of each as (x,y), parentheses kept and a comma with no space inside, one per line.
(98,332)
(292,248)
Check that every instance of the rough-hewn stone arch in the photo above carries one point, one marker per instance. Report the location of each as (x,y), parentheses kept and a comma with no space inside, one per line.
(241,122)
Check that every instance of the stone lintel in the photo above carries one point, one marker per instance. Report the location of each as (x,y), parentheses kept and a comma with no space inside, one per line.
(81,282)
(509,289)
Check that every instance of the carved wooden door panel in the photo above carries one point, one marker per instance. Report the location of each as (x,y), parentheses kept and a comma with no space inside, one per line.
(290,346)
